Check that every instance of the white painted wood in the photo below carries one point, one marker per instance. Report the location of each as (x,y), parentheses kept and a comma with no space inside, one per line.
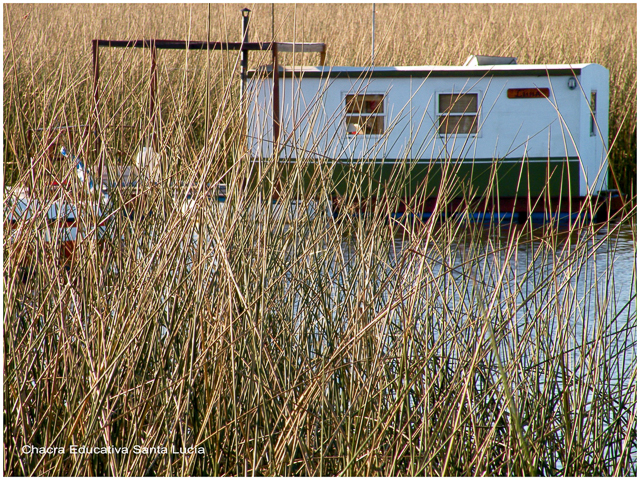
(313,111)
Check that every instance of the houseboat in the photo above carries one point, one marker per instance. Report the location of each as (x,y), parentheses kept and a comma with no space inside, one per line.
(491,133)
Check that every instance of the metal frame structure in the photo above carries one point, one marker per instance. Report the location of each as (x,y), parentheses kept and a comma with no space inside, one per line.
(155,44)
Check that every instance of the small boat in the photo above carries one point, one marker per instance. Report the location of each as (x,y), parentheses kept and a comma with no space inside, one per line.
(54,220)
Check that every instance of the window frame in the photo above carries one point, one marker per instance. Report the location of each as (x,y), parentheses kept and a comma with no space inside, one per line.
(382,114)
(476,114)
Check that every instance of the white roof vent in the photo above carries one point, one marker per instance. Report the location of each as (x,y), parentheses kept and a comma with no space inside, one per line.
(478,60)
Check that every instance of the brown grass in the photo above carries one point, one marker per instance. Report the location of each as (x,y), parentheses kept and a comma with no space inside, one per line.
(353,347)
(40,39)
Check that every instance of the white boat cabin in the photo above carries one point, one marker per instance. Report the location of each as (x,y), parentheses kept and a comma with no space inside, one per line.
(476,113)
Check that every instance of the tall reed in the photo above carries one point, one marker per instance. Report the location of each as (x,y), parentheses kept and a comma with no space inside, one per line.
(48,44)
(282,345)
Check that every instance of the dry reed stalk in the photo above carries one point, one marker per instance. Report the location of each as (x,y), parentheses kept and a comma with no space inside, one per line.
(358,346)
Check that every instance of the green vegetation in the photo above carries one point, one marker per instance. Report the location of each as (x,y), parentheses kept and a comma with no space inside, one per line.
(306,345)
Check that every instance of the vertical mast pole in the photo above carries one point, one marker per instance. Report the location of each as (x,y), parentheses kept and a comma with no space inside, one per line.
(373,34)
(245,54)
(206,125)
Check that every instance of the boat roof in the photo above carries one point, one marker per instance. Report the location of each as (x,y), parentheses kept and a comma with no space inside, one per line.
(427,71)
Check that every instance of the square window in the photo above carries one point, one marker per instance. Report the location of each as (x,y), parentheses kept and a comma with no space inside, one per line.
(457,113)
(365,114)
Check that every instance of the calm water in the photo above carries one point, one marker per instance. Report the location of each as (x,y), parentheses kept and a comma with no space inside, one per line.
(583,286)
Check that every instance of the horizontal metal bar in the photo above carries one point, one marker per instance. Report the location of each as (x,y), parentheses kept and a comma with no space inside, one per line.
(197,45)
(301,47)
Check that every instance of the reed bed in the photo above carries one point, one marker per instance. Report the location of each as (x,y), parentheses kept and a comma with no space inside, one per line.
(48,45)
(239,340)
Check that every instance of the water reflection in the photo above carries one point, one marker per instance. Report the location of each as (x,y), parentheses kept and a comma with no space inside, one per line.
(568,290)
